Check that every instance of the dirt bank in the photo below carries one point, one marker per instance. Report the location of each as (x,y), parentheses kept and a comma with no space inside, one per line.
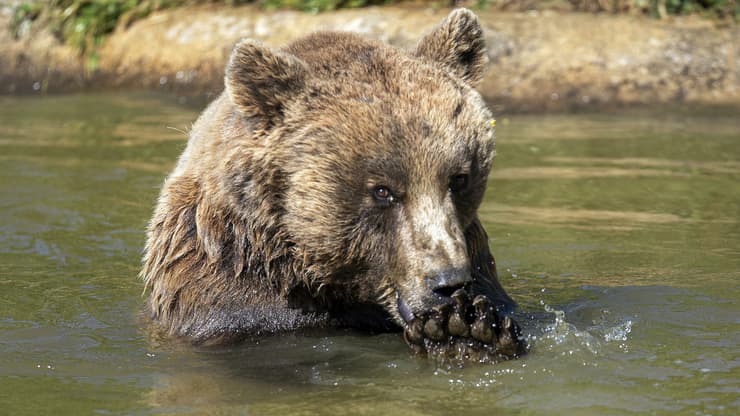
(538,61)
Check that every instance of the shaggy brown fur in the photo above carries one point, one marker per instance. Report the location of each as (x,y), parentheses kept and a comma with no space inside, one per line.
(332,182)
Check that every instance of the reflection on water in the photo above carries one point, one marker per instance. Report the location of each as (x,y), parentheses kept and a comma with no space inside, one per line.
(726,166)
(617,234)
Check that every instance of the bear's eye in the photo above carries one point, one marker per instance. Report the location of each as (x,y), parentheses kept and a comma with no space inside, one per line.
(383,195)
(458,183)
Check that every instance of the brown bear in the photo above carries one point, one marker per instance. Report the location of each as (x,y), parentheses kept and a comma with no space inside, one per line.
(335,182)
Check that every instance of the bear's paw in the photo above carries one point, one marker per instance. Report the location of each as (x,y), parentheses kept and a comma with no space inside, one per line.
(467,330)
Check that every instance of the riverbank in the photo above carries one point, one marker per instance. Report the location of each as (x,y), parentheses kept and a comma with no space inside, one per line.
(545,61)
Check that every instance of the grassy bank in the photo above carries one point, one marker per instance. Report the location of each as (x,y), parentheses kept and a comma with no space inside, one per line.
(84,23)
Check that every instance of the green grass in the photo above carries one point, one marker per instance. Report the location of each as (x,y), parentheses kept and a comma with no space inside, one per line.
(662,8)
(84,23)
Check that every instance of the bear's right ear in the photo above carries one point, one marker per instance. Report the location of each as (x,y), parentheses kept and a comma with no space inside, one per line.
(260,81)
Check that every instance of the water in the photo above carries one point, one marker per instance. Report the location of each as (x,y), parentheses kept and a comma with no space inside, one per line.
(619,235)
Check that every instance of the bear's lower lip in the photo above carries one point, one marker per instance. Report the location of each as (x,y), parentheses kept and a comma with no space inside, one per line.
(403,309)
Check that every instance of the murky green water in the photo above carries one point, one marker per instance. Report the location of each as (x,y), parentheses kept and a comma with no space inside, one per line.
(627,226)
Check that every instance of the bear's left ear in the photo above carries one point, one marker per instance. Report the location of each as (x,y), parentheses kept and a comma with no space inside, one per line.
(457,44)
(261,81)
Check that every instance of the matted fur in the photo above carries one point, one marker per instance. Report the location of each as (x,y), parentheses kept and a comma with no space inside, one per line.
(270,221)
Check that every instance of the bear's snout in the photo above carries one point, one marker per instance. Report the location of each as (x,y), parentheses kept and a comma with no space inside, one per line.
(444,283)
(438,290)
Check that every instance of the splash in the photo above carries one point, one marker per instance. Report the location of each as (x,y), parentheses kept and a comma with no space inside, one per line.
(563,333)
(619,332)
(566,338)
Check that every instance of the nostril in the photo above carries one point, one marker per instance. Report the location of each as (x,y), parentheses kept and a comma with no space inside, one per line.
(447,291)
(446,282)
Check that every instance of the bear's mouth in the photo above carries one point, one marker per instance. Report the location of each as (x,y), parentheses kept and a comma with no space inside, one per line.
(403,309)
(407,313)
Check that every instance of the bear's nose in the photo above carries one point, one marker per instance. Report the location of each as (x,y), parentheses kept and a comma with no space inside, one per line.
(446,282)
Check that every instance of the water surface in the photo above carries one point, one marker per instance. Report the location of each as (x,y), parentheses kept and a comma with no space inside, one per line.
(619,235)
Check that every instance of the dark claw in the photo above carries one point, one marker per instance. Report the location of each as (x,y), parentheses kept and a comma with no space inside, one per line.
(508,341)
(446,332)
(457,326)
(414,333)
(442,310)
(460,296)
(508,323)
(435,326)
(481,303)
(482,328)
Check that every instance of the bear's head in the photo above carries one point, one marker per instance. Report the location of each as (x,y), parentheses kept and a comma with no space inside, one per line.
(379,157)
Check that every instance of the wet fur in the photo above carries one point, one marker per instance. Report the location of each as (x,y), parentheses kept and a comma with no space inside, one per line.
(266,224)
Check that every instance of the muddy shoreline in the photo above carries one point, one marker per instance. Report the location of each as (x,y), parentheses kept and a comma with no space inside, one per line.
(544,61)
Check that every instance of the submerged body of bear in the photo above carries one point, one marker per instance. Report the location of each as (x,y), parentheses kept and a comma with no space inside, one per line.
(335,182)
